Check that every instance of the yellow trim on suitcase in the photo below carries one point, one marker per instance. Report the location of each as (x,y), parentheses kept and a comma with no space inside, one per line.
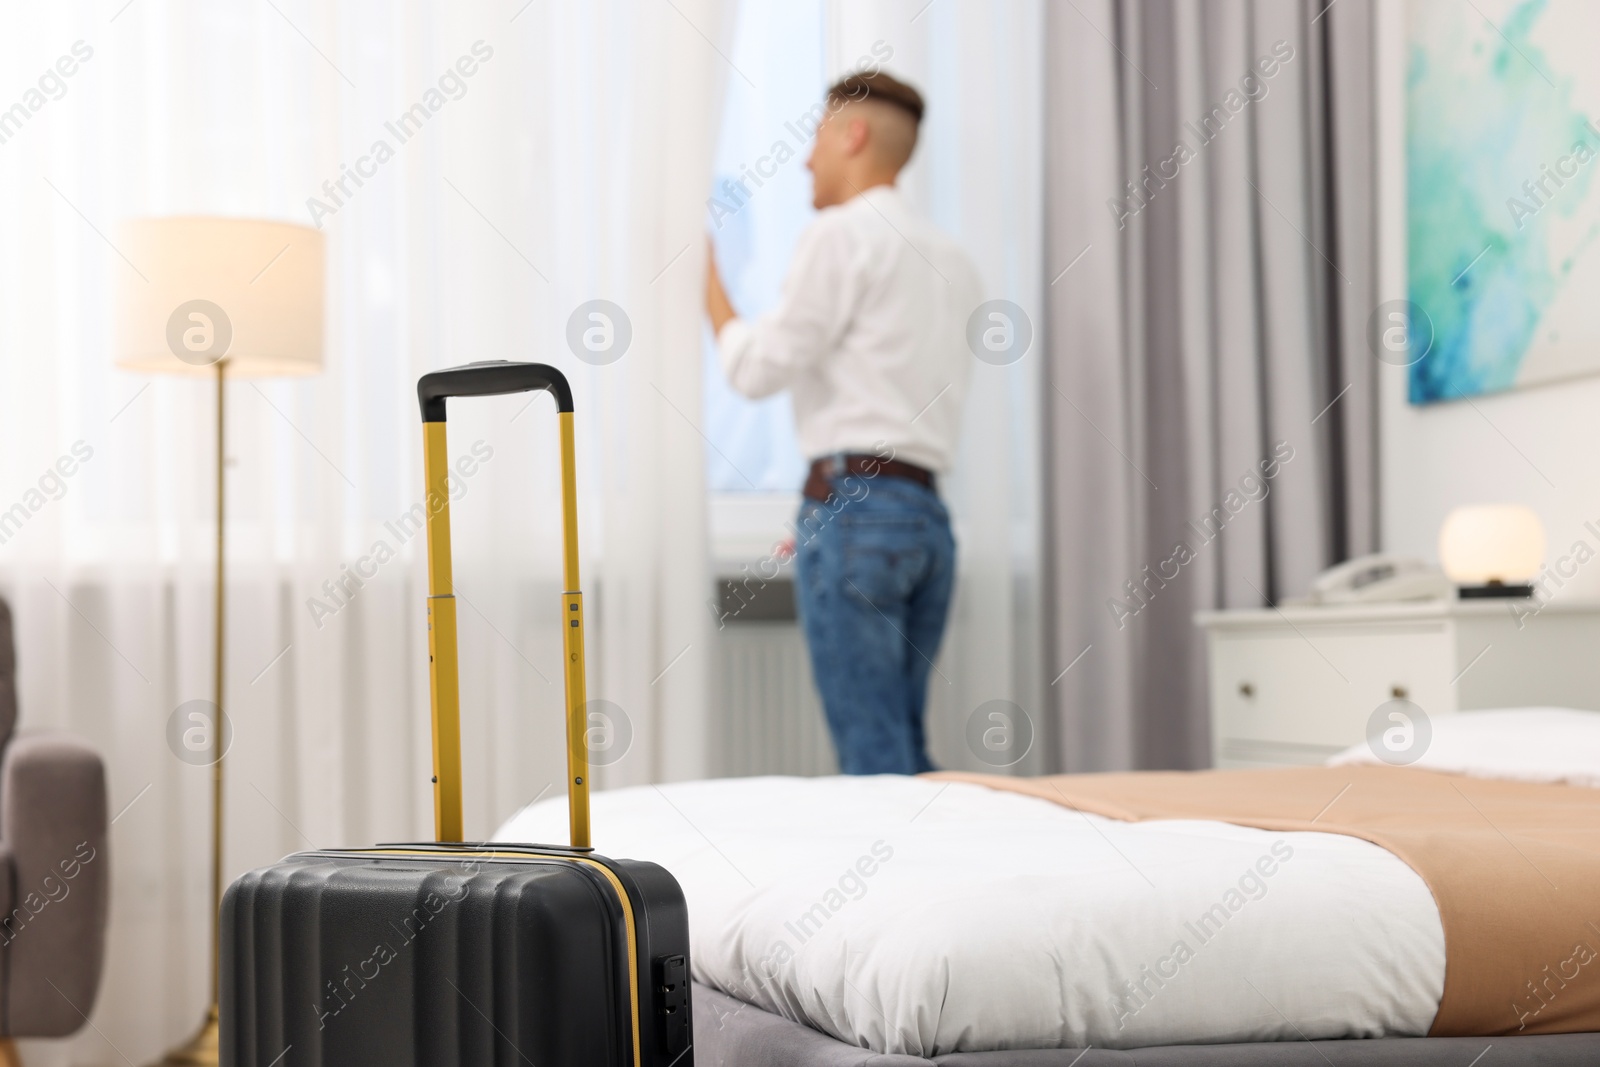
(633,951)
(622,898)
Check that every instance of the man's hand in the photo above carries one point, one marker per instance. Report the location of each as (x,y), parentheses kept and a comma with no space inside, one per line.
(718,307)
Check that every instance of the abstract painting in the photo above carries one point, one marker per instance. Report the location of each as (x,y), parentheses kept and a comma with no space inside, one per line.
(1502,195)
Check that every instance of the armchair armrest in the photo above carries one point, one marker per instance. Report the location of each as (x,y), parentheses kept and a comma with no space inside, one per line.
(53,820)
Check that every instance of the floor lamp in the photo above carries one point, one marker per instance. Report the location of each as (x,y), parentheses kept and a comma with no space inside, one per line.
(218,298)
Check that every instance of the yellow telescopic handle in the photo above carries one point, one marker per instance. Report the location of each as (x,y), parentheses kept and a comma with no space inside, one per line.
(572,645)
(444,675)
(487,379)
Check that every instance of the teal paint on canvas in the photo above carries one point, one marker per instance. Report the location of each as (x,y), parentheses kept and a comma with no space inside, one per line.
(1501,195)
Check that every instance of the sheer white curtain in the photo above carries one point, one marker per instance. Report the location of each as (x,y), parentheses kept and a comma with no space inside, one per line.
(569,166)
(978,173)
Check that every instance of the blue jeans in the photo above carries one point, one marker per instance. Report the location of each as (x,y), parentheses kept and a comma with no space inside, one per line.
(876,567)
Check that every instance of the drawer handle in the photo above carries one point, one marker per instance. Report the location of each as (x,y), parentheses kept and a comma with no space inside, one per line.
(1399,692)
(1246,689)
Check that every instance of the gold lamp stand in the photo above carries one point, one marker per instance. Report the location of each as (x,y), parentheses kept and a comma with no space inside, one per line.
(204,1048)
(217,297)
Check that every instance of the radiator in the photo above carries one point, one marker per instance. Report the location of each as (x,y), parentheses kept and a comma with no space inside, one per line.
(767,718)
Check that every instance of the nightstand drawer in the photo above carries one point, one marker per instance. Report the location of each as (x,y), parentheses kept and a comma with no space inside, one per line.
(1240,754)
(1311,691)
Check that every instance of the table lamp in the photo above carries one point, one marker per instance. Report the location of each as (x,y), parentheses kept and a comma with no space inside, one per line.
(218,298)
(1492,550)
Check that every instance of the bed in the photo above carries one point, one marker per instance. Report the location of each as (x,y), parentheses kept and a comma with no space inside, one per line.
(901,921)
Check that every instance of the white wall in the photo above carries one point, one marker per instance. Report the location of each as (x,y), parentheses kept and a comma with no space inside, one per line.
(1539,446)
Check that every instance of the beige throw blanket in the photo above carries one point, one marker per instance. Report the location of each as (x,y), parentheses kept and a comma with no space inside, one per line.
(1514,867)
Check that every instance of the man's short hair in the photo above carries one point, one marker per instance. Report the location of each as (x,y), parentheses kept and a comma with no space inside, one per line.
(877,85)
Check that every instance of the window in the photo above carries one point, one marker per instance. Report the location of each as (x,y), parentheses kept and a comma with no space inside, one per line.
(759,203)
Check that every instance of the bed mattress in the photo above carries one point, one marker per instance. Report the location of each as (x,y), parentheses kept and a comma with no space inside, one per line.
(926,919)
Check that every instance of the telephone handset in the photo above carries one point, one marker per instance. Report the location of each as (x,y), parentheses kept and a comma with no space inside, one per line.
(1379,579)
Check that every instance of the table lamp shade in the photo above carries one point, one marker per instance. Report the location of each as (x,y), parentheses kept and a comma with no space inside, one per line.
(204,289)
(1491,543)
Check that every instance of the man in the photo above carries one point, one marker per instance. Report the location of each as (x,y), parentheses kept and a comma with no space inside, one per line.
(870,337)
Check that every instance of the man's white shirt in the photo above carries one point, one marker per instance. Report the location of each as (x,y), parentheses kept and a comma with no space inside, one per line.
(870,335)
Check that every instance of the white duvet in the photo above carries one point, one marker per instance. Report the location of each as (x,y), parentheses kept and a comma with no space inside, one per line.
(911,916)
(1554,746)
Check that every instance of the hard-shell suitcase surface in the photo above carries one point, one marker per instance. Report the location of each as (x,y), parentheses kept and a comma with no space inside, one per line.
(455,955)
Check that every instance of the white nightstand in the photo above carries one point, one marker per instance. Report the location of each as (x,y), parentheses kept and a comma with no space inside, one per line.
(1294,686)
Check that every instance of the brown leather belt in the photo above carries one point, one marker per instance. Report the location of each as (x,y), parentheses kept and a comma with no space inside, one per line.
(823,470)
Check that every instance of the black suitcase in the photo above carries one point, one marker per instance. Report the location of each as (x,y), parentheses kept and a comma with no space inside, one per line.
(455,955)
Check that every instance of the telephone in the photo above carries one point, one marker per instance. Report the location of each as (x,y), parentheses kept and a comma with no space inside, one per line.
(1380,578)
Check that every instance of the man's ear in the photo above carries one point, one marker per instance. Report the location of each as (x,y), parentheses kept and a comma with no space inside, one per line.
(856,134)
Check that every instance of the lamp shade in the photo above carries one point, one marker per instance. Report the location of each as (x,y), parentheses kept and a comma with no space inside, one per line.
(1491,544)
(206,289)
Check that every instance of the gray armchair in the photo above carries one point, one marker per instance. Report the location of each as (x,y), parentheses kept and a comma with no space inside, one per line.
(54,873)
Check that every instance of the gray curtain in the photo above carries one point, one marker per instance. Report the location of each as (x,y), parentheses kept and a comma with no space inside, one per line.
(1210,424)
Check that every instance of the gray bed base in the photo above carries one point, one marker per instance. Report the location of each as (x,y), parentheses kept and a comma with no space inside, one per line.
(731,1033)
